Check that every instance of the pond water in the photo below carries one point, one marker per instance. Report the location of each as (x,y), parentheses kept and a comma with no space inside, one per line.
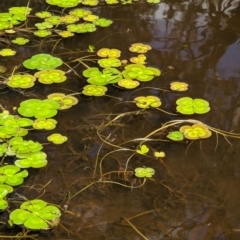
(194,193)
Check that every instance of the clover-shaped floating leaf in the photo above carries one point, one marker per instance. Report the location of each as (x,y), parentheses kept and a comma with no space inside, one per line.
(175,136)
(38,108)
(34,160)
(69,19)
(44,124)
(188,106)
(51,76)
(179,86)
(20,41)
(42,61)
(196,131)
(3,149)
(19,146)
(11,175)
(42,33)
(154,1)
(159,154)
(4,191)
(94,90)
(109,62)
(144,172)
(57,138)
(35,215)
(64,3)
(65,101)
(143,149)
(20,10)
(110,2)
(147,102)
(90,2)
(128,83)
(140,48)
(111,53)
(4,25)
(80,12)
(65,34)
(103,22)
(140,59)
(21,81)
(90,18)
(54,20)
(6,52)
(43,14)
(108,76)
(81,27)
(12,19)
(43,25)
(140,72)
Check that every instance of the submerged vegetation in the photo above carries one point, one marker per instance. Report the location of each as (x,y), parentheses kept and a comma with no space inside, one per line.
(108,70)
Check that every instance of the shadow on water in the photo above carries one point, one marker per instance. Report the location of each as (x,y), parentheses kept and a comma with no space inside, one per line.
(194,194)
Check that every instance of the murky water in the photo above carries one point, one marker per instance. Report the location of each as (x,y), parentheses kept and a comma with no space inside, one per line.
(194,194)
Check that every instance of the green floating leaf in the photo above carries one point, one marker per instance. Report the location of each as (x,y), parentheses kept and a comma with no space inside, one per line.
(144,172)
(143,149)
(175,136)
(34,160)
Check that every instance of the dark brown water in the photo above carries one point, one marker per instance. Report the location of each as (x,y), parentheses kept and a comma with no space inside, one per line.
(194,194)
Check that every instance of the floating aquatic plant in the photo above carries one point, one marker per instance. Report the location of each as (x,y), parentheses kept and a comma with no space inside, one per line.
(109,62)
(93,90)
(3,149)
(21,81)
(80,12)
(81,28)
(103,22)
(144,172)
(143,149)
(11,175)
(147,102)
(19,146)
(34,160)
(50,76)
(90,18)
(69,19)
(179,86)
(43,25)
(91,3)
(111,53)
(154,1)
(140,48)
(44,124)
(4,191)
(196,131)
(65,101)
(54,20)
(6,52)
(64,3)
(159,154)
(175,136)
(42,33)
(42,61)
(35,215)
(110,2)
(38,108)
(20,41)
(20,10)
(65,34)
(57,138)
(188,106)
(43,14)
(12,19)
(4,25)
(140,72)
(128,83)
(108,76)
(140,59)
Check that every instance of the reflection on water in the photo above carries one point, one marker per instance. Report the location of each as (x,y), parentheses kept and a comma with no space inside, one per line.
(195,191)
